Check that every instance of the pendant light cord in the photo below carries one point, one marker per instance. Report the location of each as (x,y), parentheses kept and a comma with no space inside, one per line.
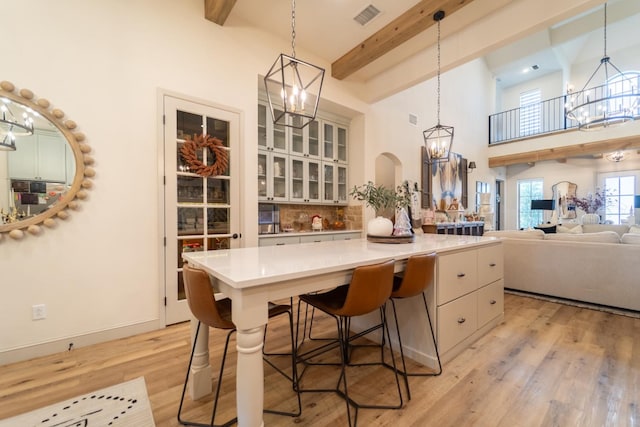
(439,72)
(293,28)
(605,30)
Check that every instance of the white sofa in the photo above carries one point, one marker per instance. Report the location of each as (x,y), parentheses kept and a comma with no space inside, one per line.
(600,264)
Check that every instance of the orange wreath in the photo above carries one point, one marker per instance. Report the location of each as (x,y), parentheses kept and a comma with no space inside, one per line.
(189,152)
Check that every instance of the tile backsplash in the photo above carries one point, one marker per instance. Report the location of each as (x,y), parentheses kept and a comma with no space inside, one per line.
(298,217)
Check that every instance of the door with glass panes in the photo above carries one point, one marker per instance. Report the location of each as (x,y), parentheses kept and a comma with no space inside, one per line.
(201,213)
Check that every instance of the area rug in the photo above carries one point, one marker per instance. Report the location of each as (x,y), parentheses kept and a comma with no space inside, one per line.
(605,308)
(125,405)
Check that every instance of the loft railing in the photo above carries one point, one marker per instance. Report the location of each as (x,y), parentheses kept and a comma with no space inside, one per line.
(535,119)
(548,116)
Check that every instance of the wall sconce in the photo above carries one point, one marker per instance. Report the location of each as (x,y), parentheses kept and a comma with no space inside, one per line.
(471,167)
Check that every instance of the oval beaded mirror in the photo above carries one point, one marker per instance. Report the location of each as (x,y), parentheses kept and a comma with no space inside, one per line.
(32,199)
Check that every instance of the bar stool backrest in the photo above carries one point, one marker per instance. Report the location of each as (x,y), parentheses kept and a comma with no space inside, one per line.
(369,289)
(201,300)
(418,276)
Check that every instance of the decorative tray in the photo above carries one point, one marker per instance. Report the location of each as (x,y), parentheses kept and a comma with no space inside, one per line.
(390,239)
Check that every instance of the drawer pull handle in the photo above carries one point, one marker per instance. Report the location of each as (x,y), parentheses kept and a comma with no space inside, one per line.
(493,264)
(461,320)
(461,274)
(492,302)
(279,244)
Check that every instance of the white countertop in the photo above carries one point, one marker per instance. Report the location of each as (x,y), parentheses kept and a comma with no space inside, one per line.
(255,266)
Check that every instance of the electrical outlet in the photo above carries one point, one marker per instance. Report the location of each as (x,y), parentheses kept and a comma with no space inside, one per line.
(38,312)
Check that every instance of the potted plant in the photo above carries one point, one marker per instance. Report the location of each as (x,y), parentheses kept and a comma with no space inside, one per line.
(381,198)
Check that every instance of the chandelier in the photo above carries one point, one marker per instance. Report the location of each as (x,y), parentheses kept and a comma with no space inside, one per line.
(611,104)
(16,120)
(293,86)
(616,156)
(438,139)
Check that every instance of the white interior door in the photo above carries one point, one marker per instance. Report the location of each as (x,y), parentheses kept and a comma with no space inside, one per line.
(200,213)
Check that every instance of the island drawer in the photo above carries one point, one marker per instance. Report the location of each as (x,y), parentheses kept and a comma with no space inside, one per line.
(457,275)
(457,320)
(490,266)
(490,302)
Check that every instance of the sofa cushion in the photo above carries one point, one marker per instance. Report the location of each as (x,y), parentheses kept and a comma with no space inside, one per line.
(634,229)
(597,237)
(516,234)
(576,229)
(594,228)
(630,238)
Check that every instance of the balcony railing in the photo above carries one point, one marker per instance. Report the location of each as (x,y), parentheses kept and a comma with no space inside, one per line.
(548,116)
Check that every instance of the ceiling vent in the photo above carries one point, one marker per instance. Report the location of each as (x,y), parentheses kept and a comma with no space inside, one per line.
(366,15)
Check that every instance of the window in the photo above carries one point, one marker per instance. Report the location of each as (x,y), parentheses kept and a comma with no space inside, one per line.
(528,190)
(481,187)
(624,84)
(530,112)
(619,193)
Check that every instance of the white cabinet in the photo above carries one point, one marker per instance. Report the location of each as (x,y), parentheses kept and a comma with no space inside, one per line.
(273,240)
(273,176)
(305,142)
(334,186)
(316,158)
(469,295)
(334,142)
(305,180)
(271,137)
(41,156)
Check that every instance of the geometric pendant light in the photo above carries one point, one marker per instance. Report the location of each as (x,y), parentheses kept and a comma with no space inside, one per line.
(438,139)
(293,86)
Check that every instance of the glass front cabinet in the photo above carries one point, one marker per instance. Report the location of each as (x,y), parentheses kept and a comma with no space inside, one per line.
(307,165)
(272,176)
(334,183)
(305,180)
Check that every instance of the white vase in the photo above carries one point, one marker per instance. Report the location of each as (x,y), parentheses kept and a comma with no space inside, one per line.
(590,218)
(380,226)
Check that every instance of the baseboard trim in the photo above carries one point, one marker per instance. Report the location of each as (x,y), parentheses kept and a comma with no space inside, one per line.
(62,344)
(575,303)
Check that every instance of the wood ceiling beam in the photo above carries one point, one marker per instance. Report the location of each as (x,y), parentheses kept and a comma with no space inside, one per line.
(218,10)
(558,153)
(412,22)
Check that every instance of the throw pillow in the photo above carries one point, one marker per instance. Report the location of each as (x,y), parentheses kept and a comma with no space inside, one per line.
(631,238)
(564,229)
(634,229)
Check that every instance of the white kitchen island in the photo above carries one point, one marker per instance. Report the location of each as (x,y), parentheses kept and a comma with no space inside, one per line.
(469,271)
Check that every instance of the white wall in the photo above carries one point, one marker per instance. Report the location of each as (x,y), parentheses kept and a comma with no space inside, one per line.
(466,100)
(99,273)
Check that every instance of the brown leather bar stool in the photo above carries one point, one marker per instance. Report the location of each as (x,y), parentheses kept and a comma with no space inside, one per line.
(417,277)
(369,289)
(217,314)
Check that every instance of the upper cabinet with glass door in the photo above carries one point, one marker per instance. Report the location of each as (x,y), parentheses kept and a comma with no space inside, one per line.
(271,137)
(334,142)
(305,142)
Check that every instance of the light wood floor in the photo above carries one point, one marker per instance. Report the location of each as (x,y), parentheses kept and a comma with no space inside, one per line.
(547,364)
